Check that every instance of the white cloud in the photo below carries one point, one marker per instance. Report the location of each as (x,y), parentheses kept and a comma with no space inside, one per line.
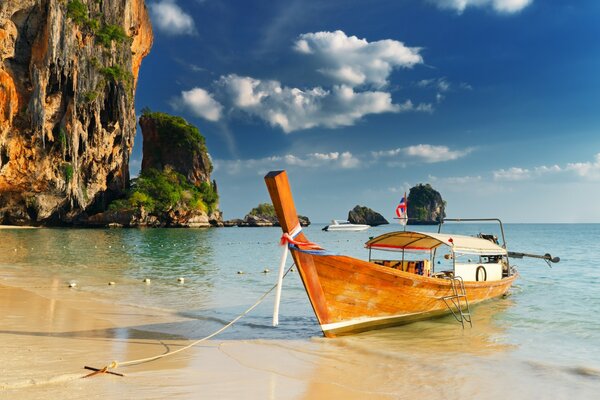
(352,61)
(423,152)
(200,103)
(512,174)
(456,180)
(501,6)
(441,84)
(169,18)
(293,109)
(339,160)
(589,170)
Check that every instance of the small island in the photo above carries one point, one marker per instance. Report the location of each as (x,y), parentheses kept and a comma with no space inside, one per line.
(365,216)
(260,216)
(174,188)
(425,205)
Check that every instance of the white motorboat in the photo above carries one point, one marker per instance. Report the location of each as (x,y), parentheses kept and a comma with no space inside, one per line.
(340,225)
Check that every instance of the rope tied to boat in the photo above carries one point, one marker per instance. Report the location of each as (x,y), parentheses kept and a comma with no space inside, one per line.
(114,364)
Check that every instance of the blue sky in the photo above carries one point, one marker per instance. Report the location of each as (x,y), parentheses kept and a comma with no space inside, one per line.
(494,102)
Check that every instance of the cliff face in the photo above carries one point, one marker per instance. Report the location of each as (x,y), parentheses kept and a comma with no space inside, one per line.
(366,216)
(172,141)
(425,205)
(68,72)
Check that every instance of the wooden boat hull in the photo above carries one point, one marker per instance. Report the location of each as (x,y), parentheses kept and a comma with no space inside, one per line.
(350,295)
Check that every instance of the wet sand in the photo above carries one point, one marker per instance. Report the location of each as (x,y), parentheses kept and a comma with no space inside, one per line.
(45,341)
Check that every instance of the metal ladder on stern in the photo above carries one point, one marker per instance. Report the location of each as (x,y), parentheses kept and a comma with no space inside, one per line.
(454,301)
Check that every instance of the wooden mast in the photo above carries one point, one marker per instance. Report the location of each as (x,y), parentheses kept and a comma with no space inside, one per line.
(283,202)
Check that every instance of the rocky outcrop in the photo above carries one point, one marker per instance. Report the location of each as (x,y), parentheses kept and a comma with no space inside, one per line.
(68,72)
(366,216)
(425,205)
(139,217)
(263,215)
(256,221)
(174,188)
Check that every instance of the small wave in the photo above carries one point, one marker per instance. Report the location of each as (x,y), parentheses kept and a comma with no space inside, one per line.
(583,371)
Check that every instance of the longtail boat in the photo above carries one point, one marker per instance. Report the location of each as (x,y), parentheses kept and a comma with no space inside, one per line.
(350,295)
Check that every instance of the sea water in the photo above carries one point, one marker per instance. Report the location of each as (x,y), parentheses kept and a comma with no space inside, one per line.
(542,341)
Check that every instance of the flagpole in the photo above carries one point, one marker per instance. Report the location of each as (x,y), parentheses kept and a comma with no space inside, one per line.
(406,216)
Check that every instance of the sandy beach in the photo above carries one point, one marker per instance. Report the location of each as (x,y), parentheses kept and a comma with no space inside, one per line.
(46,342)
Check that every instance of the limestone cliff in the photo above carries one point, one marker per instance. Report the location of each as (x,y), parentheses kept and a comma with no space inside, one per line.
(68,72)
(425,205)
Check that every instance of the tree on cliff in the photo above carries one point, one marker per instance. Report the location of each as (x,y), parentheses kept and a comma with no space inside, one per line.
(425,205)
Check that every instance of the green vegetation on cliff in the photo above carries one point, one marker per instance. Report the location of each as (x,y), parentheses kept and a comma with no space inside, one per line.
(104,33)
(263,210)
(161,191)
(179,131)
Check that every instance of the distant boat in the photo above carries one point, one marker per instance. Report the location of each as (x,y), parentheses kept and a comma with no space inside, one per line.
(349,295)
(341,225)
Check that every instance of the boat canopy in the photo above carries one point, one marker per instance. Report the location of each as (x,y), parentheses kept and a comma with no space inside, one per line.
(403,240)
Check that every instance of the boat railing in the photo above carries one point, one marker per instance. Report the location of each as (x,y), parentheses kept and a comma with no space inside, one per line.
(442,221)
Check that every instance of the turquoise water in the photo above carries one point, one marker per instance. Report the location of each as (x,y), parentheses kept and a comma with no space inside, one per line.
(548,330)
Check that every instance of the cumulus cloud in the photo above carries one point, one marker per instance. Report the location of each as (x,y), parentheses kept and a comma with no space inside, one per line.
(351,61)
(358,69)
(293,109)
(457,180)
(587,170)
(336,159)
(200,103)
(512,174)
(422,152)
(169,18)
(501,6)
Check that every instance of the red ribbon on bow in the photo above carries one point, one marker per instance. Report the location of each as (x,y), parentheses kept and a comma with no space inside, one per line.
(286,238)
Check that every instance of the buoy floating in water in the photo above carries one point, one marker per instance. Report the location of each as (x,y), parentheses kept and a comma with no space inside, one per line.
(111,283)
(147,280)
(180,280)
(240,272)
(72,284)
(266,271)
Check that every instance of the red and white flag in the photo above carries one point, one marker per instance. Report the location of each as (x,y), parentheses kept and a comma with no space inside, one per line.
(401,211)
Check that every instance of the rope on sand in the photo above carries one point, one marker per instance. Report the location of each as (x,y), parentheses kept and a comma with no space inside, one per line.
(115,364)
